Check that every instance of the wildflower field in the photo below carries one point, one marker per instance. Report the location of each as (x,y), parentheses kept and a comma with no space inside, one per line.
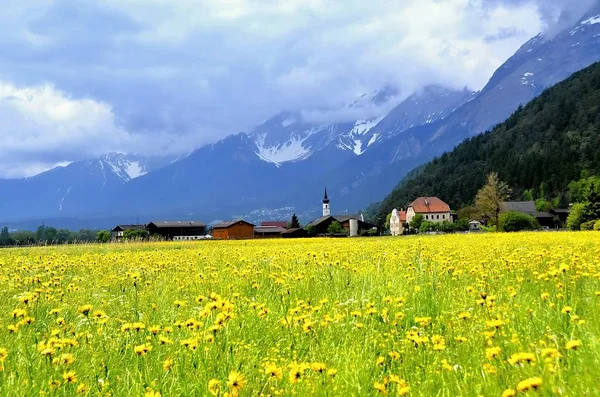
(456,315)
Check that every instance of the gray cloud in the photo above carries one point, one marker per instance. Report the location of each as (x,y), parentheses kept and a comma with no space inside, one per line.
(158,76)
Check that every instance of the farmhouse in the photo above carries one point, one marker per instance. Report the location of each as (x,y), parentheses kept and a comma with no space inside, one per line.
(398,222)
(528,207)
(231,230)
(177,230)
(118,231)
(432,208)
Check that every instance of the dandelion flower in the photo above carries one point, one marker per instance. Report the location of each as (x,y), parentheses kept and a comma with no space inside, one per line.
(236,381)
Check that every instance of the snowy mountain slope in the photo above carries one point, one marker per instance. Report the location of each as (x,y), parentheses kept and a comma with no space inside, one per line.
(288,136)
(131,166)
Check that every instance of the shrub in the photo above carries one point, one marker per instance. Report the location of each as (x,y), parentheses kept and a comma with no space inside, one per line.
(589,225)
(597,225)
(513,221)
(429,227)
(103,236)
(336,228)
(417,220)
(575,218)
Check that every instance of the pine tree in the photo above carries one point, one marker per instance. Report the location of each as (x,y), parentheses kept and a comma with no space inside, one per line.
(4,237)
(294,223)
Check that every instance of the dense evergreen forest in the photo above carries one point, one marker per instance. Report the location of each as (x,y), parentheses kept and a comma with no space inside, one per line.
(538,151)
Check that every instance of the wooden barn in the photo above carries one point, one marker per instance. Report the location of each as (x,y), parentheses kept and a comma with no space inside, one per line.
(294,233)
(233,230)
(175,229)
(268,231)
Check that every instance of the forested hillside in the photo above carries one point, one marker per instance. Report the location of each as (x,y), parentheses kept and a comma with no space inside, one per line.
(543,147)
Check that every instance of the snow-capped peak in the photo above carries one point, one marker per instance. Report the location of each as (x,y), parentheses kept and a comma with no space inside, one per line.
(126,167)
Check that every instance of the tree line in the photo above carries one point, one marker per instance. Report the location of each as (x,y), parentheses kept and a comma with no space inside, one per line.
(45,235)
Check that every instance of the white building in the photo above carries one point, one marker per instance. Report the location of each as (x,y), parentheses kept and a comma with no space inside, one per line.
(397,222)
(432,208)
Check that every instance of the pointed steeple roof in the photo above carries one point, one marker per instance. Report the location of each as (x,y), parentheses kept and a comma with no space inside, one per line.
(325,198)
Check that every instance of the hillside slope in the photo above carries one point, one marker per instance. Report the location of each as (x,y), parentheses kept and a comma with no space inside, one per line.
(551,141)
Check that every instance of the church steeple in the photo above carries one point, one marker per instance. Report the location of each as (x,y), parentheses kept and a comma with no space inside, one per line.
(326,208)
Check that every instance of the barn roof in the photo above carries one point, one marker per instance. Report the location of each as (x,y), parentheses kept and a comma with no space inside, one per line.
(128,227)
(269,229)
(526,207)
(424,205)
(282,224)
(226,224)
(182,224)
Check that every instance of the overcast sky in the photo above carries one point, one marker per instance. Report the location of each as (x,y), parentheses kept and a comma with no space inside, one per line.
(81,78)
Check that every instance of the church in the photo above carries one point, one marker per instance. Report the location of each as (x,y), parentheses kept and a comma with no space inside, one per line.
(320,225)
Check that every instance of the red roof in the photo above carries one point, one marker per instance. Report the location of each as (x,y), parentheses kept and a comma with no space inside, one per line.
(282,224)
(402,216)
(424,205)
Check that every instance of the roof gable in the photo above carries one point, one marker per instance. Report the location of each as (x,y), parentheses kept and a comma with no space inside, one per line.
(426,205)
(182,224)
(226,224)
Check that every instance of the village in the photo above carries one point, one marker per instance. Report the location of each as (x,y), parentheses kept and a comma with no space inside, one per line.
(424,215)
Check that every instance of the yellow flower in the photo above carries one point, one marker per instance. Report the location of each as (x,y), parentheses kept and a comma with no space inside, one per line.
(70,376)
(274,371)
(567,309)
(380,387)
(573,344)
(464,315)
(167,364)
(550,352)
(214,387)
(519,358)
(142,349)
(85,309)
(403,391)
(318,367)
(529,384)
(81,388)
(509,393)
(236,381)
(492,352)
(152,393)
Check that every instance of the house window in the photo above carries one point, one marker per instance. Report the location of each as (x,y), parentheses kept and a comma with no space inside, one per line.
(438,217)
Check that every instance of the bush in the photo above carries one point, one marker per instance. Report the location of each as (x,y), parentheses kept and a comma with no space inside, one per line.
(513,221)
(576,216)
(336,228)
(589,225)
(103,236)
(136,234)
(428,227)
(597,226)
(416,222)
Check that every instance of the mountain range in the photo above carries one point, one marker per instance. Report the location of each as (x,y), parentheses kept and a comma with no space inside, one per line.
(360,152)
(540,149)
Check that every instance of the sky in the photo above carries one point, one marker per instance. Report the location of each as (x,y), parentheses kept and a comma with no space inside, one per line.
(82,78)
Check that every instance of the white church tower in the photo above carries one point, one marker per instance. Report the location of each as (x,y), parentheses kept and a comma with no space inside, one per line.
(326,209)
